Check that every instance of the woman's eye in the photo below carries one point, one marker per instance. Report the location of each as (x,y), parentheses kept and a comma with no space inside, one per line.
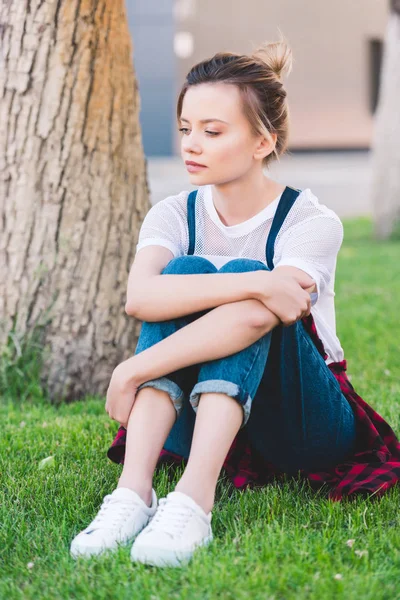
(183,129)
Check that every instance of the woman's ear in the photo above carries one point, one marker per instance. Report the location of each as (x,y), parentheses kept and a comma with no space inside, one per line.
(265,147)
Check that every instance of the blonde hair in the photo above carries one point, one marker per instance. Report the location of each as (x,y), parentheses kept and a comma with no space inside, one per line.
(258,77)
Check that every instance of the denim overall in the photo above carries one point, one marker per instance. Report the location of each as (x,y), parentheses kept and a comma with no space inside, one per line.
(294,411)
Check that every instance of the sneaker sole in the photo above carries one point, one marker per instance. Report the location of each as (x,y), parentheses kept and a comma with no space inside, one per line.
(160,557)
(88,551)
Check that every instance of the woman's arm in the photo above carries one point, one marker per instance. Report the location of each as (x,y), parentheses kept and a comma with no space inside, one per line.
(163,297)
(221,332)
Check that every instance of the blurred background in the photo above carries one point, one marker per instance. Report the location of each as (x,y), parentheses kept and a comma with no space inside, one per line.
(332,90)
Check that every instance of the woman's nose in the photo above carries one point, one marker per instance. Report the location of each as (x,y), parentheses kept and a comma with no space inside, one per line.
(190,144)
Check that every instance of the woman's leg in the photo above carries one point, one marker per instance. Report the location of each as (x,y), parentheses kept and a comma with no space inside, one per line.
(300,420)
(150,421)
(160,402)
(222,400)
(218,420)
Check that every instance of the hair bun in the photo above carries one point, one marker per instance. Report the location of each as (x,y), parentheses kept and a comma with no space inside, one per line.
(277,56)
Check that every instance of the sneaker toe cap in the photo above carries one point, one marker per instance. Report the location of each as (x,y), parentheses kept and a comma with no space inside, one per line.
(87,544)
(162,541)
(150,539)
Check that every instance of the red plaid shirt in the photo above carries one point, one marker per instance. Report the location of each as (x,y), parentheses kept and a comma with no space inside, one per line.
(374,467)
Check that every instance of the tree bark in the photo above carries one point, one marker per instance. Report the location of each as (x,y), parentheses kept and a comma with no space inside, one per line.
(73,186)
(385,161)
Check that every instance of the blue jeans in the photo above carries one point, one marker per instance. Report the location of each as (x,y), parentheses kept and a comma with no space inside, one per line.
(293,409)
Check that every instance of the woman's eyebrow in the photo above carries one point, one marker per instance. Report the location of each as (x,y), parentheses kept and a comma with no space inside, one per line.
(206,120)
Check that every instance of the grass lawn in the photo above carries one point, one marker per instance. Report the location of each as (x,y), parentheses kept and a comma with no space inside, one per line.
(282,542)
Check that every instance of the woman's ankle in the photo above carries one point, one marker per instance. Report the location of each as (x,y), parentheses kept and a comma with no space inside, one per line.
(142,488)
(203,496)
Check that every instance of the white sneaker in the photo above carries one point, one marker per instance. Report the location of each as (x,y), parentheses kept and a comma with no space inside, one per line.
(120,518)
(179,526)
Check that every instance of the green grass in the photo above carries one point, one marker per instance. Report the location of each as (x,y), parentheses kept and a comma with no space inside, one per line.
(281,542)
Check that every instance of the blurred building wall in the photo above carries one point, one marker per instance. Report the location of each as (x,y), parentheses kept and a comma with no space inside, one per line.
(152,28)
(329,89)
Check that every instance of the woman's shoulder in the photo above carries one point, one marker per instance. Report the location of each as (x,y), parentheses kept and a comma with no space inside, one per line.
(309,207)
(309,219)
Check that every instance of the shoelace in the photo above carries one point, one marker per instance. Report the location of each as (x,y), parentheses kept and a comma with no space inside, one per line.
(111,513)
(170,517)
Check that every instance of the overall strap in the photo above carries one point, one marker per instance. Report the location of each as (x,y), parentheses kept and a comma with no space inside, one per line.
(286,202)
(191,218)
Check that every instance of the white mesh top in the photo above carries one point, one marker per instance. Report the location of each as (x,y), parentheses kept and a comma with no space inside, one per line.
(310,239)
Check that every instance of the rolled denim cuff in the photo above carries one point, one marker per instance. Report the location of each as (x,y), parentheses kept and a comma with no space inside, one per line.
(172,389)
(220,386)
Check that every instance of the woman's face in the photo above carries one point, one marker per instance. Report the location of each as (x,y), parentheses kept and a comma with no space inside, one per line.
(228,149)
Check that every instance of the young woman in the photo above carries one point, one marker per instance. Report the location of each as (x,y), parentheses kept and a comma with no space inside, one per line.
(238,364)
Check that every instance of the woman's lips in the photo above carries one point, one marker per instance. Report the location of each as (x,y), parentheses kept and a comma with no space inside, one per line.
(194,168)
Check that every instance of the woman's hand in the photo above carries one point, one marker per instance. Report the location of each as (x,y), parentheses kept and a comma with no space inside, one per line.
(286,295)
(121,392)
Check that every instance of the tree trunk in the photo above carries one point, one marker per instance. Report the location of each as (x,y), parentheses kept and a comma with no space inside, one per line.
(386,148)
(73,187)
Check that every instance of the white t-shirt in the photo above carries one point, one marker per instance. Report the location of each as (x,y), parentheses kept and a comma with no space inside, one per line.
(310,239)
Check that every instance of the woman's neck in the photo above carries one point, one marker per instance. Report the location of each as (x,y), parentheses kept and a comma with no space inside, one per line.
(238,201)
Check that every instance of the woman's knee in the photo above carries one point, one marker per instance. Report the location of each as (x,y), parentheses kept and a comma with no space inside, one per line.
(189,264)
(242,265)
